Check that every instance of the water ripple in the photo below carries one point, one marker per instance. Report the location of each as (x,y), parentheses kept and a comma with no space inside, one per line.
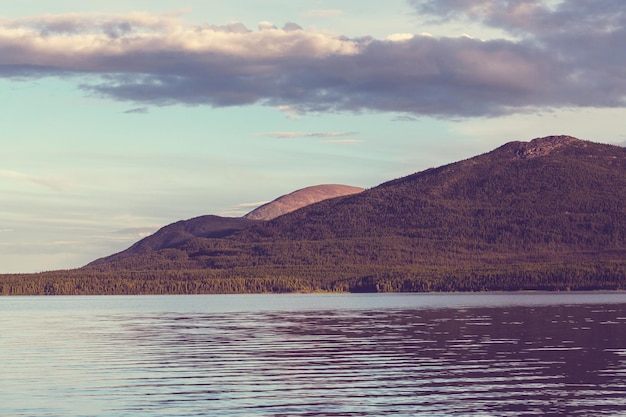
(504,361)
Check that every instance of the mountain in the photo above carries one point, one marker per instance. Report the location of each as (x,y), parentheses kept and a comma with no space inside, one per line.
(546,214)
(551,192)
(300,198)
(210,226)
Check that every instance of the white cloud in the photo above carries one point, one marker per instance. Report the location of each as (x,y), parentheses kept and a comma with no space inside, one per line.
(64,243)
(267,26)
(47,182)
(322,13)
(131,233)
(251,205)
(400,37)
(86,42)
(288,135)
(240,210)
(292,112)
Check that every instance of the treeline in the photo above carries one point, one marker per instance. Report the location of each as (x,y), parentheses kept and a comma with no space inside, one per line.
(550,277)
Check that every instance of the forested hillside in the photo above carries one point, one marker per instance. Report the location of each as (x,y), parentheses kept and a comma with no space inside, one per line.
(546,214)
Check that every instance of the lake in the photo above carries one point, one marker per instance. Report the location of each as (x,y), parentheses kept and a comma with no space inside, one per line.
(485,354)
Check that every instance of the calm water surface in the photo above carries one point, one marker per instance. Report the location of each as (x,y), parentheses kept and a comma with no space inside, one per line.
(314,355)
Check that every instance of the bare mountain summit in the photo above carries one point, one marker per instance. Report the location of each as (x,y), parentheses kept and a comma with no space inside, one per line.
(544,146)
(300,198)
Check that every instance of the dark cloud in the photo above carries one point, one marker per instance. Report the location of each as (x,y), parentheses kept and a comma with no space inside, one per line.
(28,71)
(117,29)
(533,18)
(568,55)
(579,42)
(137,110)
(419,76)
(289,26)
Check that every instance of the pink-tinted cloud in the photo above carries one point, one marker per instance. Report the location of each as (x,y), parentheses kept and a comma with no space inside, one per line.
(47,182)
(566,55)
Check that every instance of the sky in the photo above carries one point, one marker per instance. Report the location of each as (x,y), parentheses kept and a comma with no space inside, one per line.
(120,117)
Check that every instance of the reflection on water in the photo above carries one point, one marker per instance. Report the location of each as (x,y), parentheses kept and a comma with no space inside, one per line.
(406,356)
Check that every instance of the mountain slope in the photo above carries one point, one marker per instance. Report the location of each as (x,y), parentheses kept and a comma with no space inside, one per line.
(552,199)
(555,191)
(300,198)
(175,234)
(544,214)
(210,226)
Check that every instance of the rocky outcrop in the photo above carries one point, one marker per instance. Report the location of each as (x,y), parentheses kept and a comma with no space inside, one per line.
(543,146)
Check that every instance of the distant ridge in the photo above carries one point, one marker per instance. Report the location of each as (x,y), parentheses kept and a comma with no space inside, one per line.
(300,198)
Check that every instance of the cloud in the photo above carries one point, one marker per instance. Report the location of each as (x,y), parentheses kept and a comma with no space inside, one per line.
(534,18)
(322,13)
(242,209)
(136,232)
(267,26)
(251,205)
(288,135)
(343,141)
(137,110)
(566,54)
(290,26)
(51,183)
(399,37)
(290,112)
